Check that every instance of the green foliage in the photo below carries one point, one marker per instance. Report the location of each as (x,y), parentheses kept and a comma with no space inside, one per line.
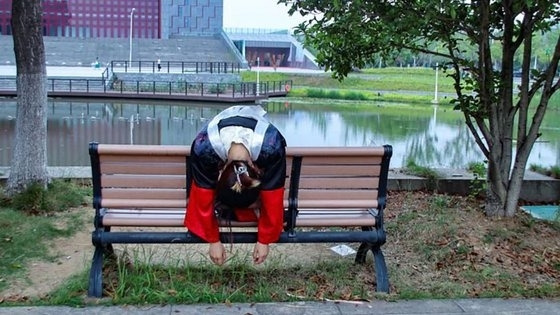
(430,174)
(554,102)
(60,195)
(217,88)
(335,94)
(456,34)
(4,199)
(553,171)
(72,292)
(478,184)
(440,202)
(477,168)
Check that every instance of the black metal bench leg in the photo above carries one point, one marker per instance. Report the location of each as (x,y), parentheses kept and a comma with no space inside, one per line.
(96,273)
(362,253)
(381,274)
(101,253)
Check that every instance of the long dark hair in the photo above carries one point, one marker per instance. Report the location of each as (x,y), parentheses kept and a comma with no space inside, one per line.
(239,184)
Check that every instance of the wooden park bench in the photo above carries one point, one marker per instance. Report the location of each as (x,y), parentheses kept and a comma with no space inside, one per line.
(139,186)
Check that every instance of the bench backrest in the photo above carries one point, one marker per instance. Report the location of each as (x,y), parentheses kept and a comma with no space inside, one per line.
(322,178)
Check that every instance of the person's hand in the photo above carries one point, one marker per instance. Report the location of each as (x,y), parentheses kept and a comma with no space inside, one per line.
(260,253)
(217,253)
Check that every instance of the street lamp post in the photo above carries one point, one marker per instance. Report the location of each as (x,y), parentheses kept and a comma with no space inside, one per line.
(258,70)
(130,38)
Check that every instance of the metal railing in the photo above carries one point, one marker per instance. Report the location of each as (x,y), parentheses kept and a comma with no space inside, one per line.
(174,67)
(176,89)
(249,30)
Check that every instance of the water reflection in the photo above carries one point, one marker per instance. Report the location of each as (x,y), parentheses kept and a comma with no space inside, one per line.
(433,136)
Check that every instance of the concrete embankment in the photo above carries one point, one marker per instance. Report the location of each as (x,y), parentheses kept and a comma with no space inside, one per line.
(536,188)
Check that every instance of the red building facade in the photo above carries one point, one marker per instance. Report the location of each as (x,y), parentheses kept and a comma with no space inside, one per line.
(94,18)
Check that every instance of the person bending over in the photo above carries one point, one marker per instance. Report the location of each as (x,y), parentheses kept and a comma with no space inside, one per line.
(238,167)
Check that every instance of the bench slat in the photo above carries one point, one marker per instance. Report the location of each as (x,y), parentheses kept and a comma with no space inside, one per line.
(335,151)
(129,167)
(139,149)
(143,219)
(336,203)
(144,181)
(143,203)
(335,221)
(339,170)
(327,159)
(181,203)
(342,182)
(341,194)
(156,218)
(181,193)
(152,158)
(172,218)
(150,193)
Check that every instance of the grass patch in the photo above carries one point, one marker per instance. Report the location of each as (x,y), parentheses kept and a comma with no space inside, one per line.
(30,220)
(24,238)
(375,79)
(438,246)
(360,95)
(238,282)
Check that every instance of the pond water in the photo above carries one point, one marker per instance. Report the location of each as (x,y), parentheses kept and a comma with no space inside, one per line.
(431,135)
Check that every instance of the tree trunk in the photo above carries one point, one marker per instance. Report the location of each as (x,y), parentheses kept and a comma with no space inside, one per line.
(29,159)
(496,193)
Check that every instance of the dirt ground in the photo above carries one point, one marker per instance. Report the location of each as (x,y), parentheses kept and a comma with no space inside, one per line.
(529,250)
(72,256)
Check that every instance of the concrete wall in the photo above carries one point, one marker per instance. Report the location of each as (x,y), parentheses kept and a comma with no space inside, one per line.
(536,187)
(184,77)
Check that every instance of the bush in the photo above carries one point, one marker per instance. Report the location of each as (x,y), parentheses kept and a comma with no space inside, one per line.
(430,174)
(478,184)
(478,169)
(555,172)
(4,200)
(217,88)
(336,94)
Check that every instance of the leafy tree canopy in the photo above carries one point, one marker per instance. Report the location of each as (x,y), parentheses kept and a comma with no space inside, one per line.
(349,34)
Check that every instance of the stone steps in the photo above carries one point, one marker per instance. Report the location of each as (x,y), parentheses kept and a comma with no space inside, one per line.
(65,51)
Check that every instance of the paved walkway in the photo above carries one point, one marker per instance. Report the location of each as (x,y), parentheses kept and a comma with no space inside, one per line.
(463,306)
(62,71)
(10,71)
